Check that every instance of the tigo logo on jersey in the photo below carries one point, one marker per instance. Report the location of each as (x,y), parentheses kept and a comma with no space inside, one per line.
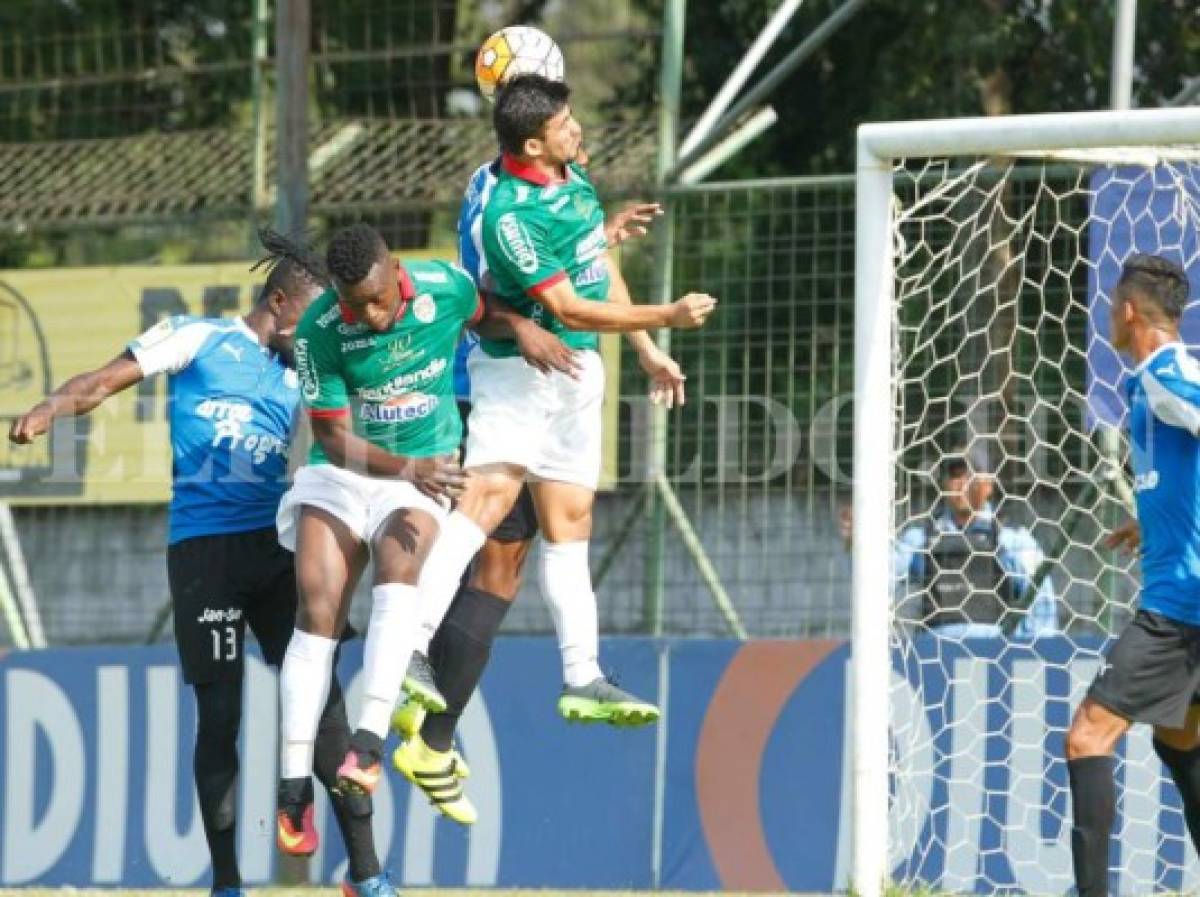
(515,242)
(401,409)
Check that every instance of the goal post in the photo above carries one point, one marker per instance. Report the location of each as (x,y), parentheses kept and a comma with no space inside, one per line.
(957,169)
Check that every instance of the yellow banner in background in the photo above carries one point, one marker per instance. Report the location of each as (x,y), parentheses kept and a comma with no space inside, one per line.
(57,323)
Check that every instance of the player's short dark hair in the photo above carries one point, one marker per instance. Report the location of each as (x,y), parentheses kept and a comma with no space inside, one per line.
(523,106)
(964,461)
(352,251)
(291,264)
(1161,280)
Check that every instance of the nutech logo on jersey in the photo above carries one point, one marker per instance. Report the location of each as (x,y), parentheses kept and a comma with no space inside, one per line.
(401,409)
(517,246)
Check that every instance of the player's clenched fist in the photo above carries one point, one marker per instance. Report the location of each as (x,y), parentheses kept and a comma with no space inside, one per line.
(692,310)
(30,425)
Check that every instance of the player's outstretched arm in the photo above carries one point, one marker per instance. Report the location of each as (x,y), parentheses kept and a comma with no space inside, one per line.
(561,300)
(435,476)
(666,377)
(539,347)
(79,395)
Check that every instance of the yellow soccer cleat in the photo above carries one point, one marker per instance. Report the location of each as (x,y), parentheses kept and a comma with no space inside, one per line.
(406,723)
(407,720)
(437,774)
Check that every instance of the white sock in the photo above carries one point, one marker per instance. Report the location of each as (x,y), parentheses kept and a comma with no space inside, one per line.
(458,542)
(303,689)
(391,636)
(567,589)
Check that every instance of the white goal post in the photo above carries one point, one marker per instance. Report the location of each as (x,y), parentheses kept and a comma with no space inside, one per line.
(877,430)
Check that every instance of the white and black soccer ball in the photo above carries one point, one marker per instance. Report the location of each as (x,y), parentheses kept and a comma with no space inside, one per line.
(517,50)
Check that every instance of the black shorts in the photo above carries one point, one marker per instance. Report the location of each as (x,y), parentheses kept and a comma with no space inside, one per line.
(521,523)
(219,584)
(1151,672)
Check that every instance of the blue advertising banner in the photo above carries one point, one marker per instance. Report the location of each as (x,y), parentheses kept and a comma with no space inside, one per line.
(744,785)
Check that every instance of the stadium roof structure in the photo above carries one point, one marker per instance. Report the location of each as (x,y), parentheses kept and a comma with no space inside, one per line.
(353,164)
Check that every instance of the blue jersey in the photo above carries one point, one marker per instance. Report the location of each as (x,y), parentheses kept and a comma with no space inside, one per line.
(470,257)
(1164,423)
(231,403)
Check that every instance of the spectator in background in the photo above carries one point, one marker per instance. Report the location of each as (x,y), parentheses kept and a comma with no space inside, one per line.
(962,572)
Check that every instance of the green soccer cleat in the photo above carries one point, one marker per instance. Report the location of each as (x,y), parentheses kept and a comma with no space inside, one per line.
(419,684)
(600,701)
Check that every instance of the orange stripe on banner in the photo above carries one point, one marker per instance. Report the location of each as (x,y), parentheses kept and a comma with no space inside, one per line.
(745,707)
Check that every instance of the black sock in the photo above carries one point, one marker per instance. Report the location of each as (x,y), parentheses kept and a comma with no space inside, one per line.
(215,765)
(364,741)
(1185,770)
(459,652)
(352,811)
(1093,796)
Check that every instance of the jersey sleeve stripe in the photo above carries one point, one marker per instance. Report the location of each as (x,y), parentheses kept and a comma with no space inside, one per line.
(1176,403)
(542,285)
(328,412)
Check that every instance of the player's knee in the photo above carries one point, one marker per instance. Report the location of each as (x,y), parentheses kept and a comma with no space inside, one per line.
(1085,740)
(316,614)
(219,713)
(490,497)
(568,525)
(499,567)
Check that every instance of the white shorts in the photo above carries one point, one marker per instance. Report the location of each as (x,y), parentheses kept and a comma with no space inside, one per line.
(362,503)
(547,423)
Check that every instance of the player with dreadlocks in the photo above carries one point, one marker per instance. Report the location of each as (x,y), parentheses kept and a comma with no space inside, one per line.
(232,399)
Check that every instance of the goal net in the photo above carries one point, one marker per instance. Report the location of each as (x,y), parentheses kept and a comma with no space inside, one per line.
(1003,407)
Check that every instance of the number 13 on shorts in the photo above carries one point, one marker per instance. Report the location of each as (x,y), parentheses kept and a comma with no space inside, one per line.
(224,642)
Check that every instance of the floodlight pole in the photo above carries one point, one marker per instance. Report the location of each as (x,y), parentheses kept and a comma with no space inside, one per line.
(771,80)
(293,34)
(766,38)
(1124,29)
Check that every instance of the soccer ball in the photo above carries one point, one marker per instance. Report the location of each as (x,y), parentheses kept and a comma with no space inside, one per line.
(516,50)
